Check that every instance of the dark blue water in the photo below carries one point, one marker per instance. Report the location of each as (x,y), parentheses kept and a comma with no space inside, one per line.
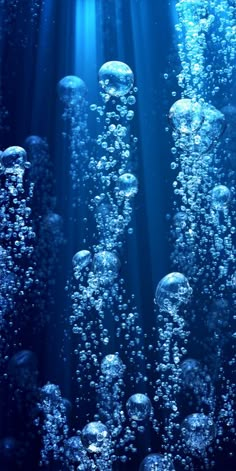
(67,191)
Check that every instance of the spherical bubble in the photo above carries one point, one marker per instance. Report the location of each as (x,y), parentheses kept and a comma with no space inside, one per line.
(198,431)
(51,391)
(190,372)
(180,220)
(116,78)
(172,291)
(128,185)
(52,225)
(218,315)
(23,369)
(106,266)
(53,219)
(80,261)
(14,160)
(71,89)
(94,436)
(214,121)
(112,366)
(33,143)
(186,115)
(156,462)
(196,379)
(8,450)
(139,407)
(220,197)
(211,129)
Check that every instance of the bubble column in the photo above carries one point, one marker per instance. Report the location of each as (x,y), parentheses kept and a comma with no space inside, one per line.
(16,235)
(72,92)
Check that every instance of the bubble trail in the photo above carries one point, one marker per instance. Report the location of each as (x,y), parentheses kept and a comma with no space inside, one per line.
(54,423)
(72,92)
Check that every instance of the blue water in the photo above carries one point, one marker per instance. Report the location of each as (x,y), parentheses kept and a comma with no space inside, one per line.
(117,235)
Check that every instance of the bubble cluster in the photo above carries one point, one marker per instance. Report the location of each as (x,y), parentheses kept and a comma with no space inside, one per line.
(198,431)
(54,422)
(202,229)
(75,452)
(17,236)
(165,389)
(106,266)
(47,226)
(156,461)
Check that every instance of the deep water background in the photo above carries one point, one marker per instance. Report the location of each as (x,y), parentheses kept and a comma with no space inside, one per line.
(69,37)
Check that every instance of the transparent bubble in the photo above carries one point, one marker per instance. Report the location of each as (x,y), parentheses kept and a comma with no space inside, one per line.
(220,197)
(14,159)
(218,315)
(71,89)
(172,291)
(51,391)
(190,370)
(35,144)
(214,121)
(180,220)
(23,368)
(186,115)
(128,185)
(139,407)
(192,374)
(198,431)
(8,449)
(52,223)
(81,260)
(156,462)
(112,366)
(116,78)
(211,129)
(106,266)
(94,436)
